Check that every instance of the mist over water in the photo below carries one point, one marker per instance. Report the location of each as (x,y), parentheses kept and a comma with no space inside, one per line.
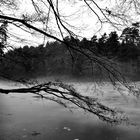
(25,116)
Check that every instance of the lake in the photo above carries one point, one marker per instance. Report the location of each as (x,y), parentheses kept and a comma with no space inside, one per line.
(26,117)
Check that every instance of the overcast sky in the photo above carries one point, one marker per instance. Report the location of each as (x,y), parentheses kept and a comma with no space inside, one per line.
(75,13)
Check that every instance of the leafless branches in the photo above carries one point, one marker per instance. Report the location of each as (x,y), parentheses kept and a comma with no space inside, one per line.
(9,3)
(49,16)
(53,8)
(67,96)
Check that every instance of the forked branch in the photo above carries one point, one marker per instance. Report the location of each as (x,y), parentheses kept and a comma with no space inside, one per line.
(67,96)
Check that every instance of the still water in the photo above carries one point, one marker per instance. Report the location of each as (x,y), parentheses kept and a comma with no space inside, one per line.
(25,117)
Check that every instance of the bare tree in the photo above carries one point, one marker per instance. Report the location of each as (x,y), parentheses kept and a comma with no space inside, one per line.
(47,18)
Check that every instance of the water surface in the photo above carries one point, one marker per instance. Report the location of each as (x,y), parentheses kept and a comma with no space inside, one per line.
(23,116)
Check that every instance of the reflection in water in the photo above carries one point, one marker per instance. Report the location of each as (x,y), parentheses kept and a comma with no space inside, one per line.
(25,116)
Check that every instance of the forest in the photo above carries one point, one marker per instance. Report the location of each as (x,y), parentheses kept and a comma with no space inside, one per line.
(67,50)
(56,58)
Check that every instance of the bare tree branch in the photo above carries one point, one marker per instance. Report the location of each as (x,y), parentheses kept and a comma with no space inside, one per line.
(29,26)
(65,95)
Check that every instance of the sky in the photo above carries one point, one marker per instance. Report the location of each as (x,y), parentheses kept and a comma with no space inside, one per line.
(75,13)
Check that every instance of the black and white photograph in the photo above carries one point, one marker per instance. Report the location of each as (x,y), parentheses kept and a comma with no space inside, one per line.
(69,69)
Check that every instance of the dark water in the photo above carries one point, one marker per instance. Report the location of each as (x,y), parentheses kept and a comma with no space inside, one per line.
(25,117)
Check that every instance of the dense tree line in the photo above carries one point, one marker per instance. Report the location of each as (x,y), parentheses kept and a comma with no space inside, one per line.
(57,58)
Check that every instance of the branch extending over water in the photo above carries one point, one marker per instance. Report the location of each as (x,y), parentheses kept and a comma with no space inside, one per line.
(67,96)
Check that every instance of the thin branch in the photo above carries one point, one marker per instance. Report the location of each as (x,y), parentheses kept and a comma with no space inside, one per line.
(29,26)
(65,94)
